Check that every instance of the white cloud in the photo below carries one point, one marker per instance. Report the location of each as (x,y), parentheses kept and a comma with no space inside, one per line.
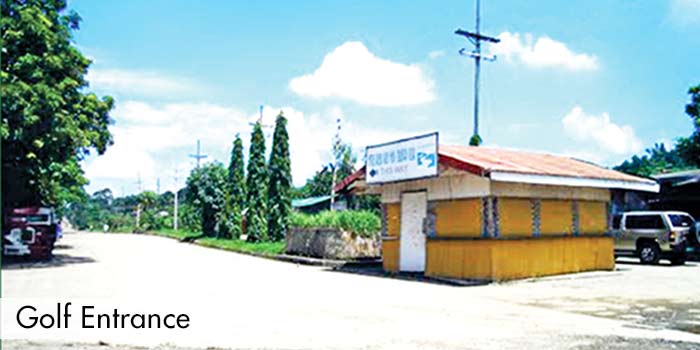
(152,140)
(352,72)
(543,52)
(138,82)
(599,130)
(684,12)
(436,54)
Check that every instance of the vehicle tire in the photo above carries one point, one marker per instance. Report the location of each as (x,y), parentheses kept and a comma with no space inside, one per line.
(678,260)
(649,253)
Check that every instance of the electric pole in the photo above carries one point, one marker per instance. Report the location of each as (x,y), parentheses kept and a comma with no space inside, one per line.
(138,204)
(336,160)
(199,156)
(260,121)
(476,38)
(175,204)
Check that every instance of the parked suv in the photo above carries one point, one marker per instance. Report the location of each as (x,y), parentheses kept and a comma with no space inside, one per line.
(653,235)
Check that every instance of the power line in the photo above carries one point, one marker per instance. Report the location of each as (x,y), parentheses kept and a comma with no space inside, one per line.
(476,38)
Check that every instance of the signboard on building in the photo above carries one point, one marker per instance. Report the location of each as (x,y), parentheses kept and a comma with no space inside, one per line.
(406,159)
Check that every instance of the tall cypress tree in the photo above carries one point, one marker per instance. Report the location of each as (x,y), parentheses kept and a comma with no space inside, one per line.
(236,189)
(279,200)
(256,185)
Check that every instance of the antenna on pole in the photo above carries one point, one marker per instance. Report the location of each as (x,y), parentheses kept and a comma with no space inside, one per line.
(476,38)
(199,156)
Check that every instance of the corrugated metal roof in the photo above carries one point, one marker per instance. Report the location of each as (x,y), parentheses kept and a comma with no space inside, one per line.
(529,167)
(305,202)
(511,161)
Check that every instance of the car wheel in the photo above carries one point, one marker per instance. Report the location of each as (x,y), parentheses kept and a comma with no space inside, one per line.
(649,253)
(678,260)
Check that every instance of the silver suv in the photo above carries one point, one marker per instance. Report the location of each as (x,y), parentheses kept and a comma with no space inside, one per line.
(653,235)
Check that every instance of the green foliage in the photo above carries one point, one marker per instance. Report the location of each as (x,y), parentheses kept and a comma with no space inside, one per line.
(689,147)
(236,188)
(49,121)
(237,245)
(189,217)
(361,222)
(279,198)
(320,183)
(475,140)
(206,190)
(256,186)
(656,160)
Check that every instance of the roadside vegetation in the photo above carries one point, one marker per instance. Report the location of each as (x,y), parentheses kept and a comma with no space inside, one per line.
(364,223)
(684,155)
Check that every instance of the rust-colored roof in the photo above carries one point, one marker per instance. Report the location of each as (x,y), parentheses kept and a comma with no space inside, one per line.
(486,160)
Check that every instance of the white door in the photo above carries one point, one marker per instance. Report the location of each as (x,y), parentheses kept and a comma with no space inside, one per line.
(414,206)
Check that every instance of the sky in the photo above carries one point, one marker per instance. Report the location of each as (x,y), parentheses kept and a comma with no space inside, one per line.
(597,80)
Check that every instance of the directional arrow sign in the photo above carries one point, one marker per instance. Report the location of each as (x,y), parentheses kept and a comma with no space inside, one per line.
(404,159)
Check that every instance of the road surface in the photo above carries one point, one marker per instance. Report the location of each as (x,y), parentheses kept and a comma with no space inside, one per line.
(262,303)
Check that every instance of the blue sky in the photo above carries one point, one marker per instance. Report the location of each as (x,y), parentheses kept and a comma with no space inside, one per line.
(598,80)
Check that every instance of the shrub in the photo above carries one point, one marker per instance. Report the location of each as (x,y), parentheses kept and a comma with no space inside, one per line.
(361,222)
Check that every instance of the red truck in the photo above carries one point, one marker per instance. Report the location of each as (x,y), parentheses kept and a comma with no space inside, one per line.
(30,232)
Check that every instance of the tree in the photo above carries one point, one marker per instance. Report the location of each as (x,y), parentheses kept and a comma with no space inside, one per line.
(49,122)
(656,160)
(256,186)
(206,190)
(689,147)
(279,200)
(320,183)
(236,189)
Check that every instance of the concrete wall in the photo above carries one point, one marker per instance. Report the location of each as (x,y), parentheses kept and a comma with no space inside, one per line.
(330,243)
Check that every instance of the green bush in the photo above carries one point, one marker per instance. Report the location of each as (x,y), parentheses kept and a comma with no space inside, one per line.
(361,222)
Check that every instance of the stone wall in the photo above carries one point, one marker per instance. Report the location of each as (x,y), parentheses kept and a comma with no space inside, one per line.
(329,243)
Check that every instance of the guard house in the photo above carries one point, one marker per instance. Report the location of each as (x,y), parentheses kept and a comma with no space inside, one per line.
(485,213)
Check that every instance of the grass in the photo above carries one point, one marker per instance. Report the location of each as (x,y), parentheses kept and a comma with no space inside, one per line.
(361,222)
(237,245)
(177,234)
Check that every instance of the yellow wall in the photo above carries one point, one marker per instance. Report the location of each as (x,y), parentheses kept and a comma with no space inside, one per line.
(592,217)
(390,255)
(458,218)
(556,217)
(495,259)
(515,217)
(393,219)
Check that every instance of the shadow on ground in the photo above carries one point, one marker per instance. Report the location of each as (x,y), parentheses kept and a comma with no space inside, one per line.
(644,314)
(57,260)
(374,269)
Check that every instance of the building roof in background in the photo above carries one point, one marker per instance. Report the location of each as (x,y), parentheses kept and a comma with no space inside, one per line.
(679,178)
(306,202)
(529,167)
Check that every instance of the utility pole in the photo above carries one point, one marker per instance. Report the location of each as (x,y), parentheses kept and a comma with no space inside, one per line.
(336,159)
(138,205)
(199,156)
(476,38)
(260,121)
(175,208)
(158,185)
